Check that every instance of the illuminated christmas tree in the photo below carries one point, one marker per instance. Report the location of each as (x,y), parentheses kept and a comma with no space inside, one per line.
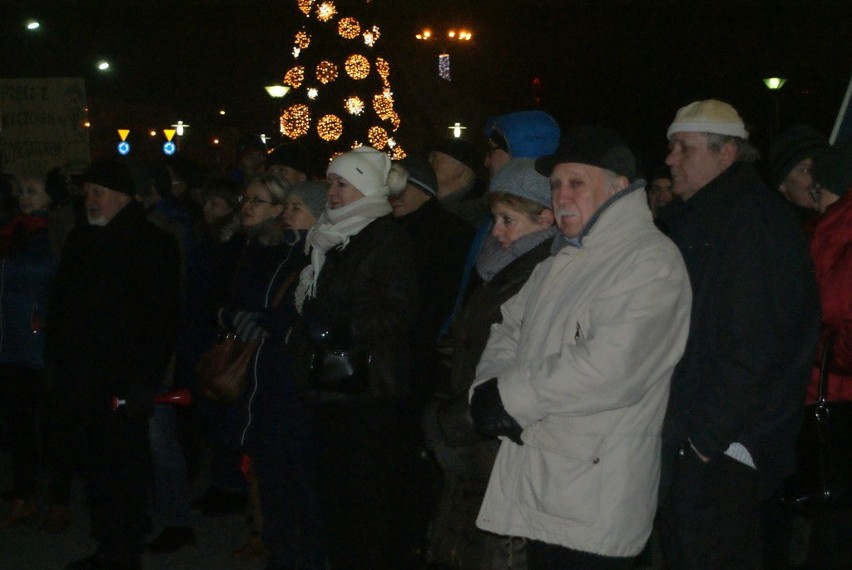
(340,91)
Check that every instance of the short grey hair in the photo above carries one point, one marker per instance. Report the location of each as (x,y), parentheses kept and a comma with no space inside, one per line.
(746,152)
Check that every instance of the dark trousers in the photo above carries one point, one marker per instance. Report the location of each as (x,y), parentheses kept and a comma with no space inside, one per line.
(710,517)
(365,485)
(292,523)
(114,452)
(21,396)
(543,556)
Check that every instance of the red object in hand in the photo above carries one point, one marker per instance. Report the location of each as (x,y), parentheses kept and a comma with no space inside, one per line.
(182,397)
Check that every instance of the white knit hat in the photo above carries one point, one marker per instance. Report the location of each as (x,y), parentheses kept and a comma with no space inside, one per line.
(365,168)
(709,116)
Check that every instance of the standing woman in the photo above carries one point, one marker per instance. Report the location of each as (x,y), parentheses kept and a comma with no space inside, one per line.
(359,297)
(521,237)
(27,269)
(272,420)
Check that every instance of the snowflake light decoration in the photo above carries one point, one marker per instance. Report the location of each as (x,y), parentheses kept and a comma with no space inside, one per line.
(326,11)
(354,104)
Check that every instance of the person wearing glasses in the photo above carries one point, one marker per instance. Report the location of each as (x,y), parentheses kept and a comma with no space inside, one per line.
(271,422)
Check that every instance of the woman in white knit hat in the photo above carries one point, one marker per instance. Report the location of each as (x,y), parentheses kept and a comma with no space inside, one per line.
(358,300)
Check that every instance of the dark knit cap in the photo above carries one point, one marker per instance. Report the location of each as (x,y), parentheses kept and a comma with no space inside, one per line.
(462,150)
(595,146)
(420,173)
(112,174)
(833,168)
(225,188)
(250,143)
(293,155)
(56,186)
(792,147)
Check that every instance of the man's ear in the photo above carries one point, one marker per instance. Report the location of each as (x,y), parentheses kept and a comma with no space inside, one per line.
(728,153)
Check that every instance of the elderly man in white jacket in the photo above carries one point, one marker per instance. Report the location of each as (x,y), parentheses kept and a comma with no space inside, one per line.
(576,376)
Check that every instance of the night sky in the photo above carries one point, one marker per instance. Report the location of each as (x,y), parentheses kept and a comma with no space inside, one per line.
(626,64)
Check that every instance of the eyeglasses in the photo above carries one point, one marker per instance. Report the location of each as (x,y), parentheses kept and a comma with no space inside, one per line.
(253,200)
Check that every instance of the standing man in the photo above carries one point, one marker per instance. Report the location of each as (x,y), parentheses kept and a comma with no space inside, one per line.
(576,377)
(737,395)
(113,323)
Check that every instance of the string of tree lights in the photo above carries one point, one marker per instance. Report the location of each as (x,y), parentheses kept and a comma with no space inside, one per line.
(340,91)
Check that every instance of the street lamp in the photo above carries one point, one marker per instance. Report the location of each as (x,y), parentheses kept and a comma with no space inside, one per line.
(277,91)
(457,129)
(774,84)
(452,35)
(103,65)
(33,25)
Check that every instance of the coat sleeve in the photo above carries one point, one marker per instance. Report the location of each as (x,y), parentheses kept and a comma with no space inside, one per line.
(636,332)
(502,345)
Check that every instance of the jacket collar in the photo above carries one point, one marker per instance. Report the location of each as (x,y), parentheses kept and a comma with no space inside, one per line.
(611,216)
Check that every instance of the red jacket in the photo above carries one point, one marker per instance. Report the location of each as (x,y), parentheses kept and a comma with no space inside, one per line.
(831,249)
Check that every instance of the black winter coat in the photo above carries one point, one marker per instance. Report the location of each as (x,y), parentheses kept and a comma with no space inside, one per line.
(754,325)
(115,311)
(440,241)
(367,291)
(470,335)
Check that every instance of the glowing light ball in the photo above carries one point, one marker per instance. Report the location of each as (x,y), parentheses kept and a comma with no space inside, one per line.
(330,127)
(296,121)
(357,66)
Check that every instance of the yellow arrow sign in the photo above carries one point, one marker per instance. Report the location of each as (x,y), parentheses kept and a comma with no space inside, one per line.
(169,133)
(123,133)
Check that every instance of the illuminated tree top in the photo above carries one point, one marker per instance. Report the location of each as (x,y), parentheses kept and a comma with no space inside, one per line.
(340,90)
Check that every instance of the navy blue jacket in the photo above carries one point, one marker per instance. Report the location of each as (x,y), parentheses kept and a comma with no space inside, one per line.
(754,326)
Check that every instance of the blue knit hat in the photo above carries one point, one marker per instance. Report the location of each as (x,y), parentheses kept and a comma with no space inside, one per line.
(526,133)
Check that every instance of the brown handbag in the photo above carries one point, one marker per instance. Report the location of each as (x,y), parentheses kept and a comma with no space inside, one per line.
(223,370)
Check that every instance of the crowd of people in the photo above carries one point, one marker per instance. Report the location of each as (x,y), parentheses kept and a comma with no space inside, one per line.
(558,365)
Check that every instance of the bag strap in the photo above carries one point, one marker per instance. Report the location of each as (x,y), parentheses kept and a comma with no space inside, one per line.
(822,395)
(282,290)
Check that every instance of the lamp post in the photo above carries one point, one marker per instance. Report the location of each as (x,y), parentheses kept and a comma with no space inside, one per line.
(461,35)
(277,91)
(774,84)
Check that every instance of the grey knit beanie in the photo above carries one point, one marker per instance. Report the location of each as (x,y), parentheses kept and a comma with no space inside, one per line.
(313,194)
(519,178)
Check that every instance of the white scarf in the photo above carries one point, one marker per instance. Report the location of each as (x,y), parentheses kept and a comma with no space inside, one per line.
(333,229)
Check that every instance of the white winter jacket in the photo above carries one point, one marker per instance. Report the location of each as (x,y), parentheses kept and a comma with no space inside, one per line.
(583,357)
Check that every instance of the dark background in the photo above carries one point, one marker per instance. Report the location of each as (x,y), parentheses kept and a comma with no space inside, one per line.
(628,64)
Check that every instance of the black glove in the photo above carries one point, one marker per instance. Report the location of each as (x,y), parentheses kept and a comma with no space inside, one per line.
(489,416)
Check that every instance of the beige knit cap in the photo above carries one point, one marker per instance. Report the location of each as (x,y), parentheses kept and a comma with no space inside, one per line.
(708,116)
